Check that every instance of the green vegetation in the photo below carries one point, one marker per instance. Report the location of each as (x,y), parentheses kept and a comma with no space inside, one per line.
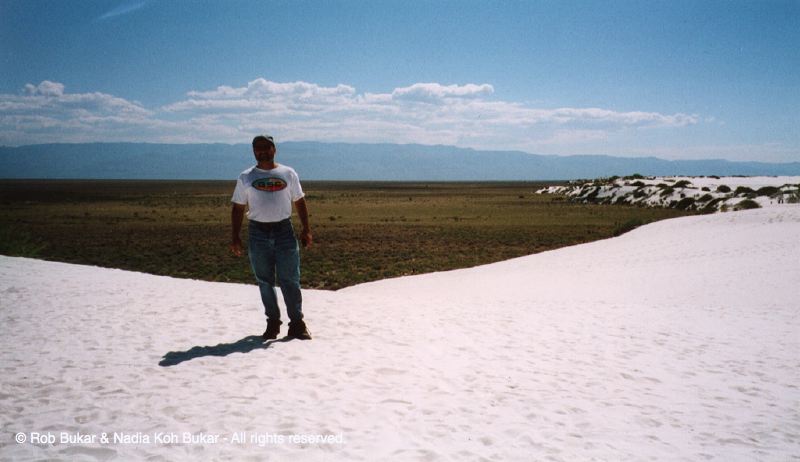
(635,176)
(363,231)
(711,206)
(685,204)
(747,204)
(768,191)
(629,225)
(18,242)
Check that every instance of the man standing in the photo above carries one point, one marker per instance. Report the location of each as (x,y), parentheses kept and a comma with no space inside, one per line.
(269,190)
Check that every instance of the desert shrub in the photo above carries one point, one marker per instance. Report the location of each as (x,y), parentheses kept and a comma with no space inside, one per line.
(711,207)
(768,191)
(714,177)
(744,191)
(639,193)
(638,184)
(705,188)
(593,194)
(723,188)
(685,203)
(747,204)
(705,198)
(682,184)
(635,176)
(789,196)
(667,191)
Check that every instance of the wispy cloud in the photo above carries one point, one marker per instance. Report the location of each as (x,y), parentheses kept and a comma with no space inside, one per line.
(429,113)
(47,113)
(434,92)
(125,8)
(426,113)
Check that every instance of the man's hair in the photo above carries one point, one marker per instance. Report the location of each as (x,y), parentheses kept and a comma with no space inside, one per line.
(263,138)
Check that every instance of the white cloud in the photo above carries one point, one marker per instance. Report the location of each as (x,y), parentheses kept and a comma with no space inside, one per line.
(261,88)
(48,113)
(568,137)
(426,113)
(424,105)
(434,92)
(260,94)
(49,98)
(46,88)
(567,115)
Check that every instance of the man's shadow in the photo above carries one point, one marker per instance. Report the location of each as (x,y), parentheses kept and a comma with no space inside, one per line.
(245,345)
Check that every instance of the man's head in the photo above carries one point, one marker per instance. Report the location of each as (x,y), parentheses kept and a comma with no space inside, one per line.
(262,139)
(264,148)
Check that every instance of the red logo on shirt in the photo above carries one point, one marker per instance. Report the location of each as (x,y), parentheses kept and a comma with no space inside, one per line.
(269,184)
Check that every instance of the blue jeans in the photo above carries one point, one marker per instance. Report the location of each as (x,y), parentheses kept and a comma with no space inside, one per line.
(273,246)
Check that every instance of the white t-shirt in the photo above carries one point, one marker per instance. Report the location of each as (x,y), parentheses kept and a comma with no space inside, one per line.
(269,194)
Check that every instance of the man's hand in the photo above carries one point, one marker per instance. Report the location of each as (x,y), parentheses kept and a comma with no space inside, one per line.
(237,215)
(302,213)
(236,247)
(306,238)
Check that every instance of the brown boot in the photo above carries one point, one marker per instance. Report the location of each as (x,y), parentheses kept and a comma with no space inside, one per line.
(298,330)
(273,328)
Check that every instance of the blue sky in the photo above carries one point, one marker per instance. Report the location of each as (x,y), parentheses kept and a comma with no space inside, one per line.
(677,80)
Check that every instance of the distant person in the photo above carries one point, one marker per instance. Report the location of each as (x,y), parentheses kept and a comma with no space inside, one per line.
(269,190)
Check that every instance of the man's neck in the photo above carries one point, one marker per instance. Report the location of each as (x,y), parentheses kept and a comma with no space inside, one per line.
(267,165)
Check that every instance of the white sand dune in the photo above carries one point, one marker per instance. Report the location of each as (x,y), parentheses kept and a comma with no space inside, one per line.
(694,193)
(677,341)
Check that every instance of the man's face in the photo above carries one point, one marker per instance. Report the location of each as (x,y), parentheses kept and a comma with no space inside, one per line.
(264,151)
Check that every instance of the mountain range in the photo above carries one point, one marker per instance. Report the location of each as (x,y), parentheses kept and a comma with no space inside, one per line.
(342,161)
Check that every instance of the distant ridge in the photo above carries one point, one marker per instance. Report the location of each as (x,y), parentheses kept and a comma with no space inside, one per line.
(342,161)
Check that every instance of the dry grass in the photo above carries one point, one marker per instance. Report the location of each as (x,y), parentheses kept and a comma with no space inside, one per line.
(363,231)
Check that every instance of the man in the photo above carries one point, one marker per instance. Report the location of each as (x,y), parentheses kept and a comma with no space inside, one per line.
(269,190)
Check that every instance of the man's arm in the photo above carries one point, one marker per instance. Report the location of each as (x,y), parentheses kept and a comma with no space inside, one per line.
(237,215)
(302,211)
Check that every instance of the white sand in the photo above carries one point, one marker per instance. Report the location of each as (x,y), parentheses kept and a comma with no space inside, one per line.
(733,182)
(702,190)
(677,341)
